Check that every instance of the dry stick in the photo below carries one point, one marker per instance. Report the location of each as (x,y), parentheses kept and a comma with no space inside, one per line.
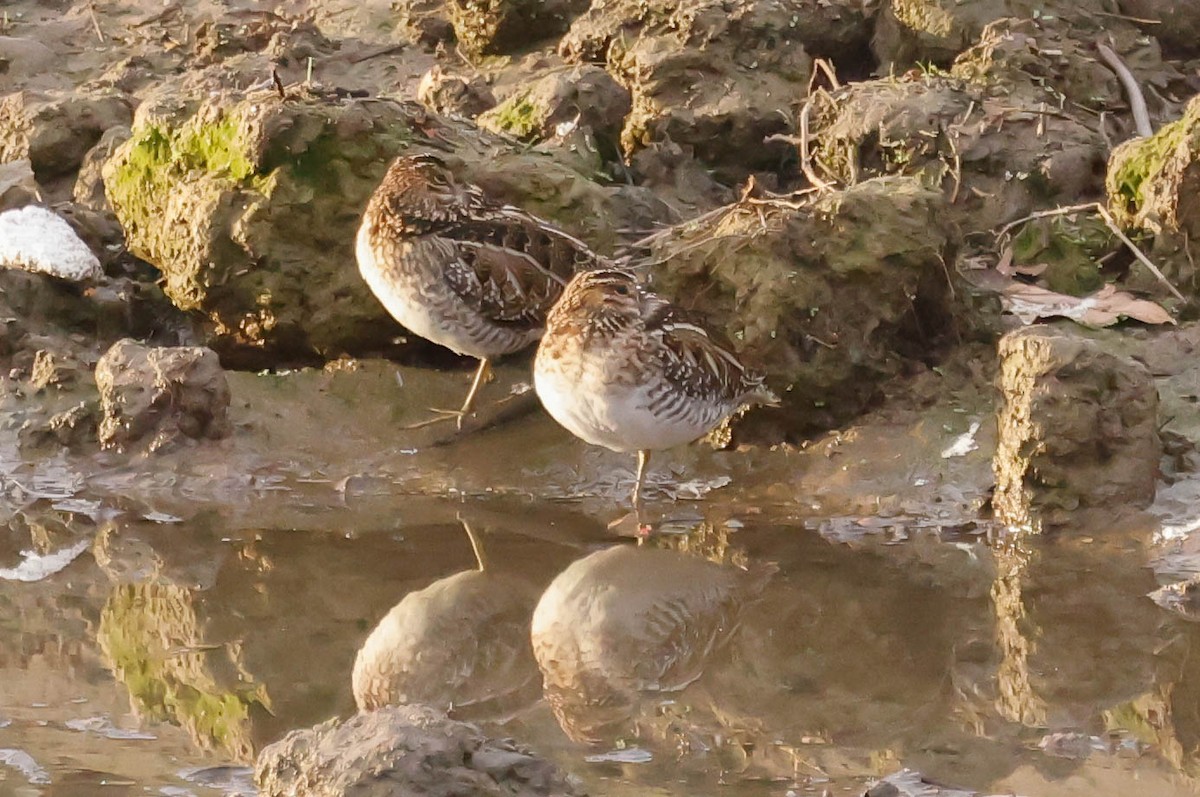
(95,22)
(1137,102)
(1112,225)
(805,157)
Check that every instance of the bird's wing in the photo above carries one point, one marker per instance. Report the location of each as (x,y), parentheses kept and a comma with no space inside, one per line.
(512,266)
(699,362)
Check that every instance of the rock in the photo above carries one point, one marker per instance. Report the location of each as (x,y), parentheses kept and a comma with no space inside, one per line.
(54,130)
(75,427)
(935,31)
(409,750)
(1153,184)
(89,184)
(909,783)
(426,21)
(454,95)
(52,370)
(713,76)
(584,96)
(166,391)
(831,297)
(22,59)
(460,643)
(946,128)
(249,205)
(836,29)
(36,239)
(494,27)
(1078,428)
(18,187)
(248,31)
(1176,25)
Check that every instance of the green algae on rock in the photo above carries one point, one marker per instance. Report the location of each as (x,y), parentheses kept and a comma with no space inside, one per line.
(247,204)
(583,96)
(1154,186)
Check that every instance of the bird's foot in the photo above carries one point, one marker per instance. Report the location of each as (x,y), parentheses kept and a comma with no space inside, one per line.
(439,416)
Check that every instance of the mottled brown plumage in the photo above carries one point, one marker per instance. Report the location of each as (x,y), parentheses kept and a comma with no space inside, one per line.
(459,268)
(621,367)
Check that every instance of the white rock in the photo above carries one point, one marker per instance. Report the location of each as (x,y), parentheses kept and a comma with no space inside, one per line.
(37,239)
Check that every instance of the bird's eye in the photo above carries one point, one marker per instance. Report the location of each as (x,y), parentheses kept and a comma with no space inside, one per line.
(623,290)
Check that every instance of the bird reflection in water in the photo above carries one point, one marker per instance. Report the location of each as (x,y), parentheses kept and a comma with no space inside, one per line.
(627,621)
(461,644)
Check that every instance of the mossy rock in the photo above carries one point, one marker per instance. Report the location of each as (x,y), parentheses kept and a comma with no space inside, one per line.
(1154,186)
(249,205)
(583,96)
(831,298)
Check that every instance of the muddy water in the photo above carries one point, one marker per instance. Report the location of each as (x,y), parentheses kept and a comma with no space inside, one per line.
(154,655)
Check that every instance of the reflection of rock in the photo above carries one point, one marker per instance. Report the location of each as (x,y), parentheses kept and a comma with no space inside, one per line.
(907,783)
(167,390)
(460,643)
(629,620)
(151,637)
(1078,427)
(407,750)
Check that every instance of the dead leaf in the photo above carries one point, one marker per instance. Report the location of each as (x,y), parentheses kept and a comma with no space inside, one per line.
(1004,264)
(1103,308)
(1031,270)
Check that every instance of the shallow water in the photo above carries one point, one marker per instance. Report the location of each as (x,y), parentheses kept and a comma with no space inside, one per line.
(740,657)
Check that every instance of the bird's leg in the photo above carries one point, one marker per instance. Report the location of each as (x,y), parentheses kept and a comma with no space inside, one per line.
(482,373)
(476,545)
(643,458)
(481,376)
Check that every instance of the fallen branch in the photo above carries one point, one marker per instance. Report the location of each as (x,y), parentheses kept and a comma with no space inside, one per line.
(1137,102)
(1112,225)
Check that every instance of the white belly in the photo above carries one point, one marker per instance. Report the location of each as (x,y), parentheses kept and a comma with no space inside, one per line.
(429,309)
(603,411)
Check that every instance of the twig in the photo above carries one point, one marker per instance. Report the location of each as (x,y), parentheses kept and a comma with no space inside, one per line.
(1137,102)
(957,173)
(805,157)
(376,53)
(822,65)
(1140,20)
(1112,225)
(95,22)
